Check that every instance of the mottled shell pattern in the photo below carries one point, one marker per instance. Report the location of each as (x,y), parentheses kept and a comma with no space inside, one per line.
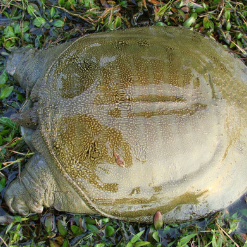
(147,119)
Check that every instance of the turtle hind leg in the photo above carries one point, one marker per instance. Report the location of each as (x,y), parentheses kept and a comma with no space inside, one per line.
(30,192)
(39,188)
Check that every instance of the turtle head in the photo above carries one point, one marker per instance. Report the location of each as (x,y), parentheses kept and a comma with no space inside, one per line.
(28,65)
(19,65)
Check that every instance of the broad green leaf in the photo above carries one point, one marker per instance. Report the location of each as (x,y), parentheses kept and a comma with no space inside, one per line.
(118,22)
(5,92)
(61,2)
(199,10)
(20,219)
(99,245)
(190,20)
(2,183)
(20,97)
(76,230)
(49,223)
(129,244)
(238,36)
(123,4)
(67,5)
(180,12)
(241,45)
(105,220)
(186,239)
(211,24)
(62,230)
(90,221)
(9,44)
(52,12)
(8,32)
(88,3)
(21,27)
(205,6)
(17,234)
(58,23)
(141,243)
(3,77)
(167,229)
(9,227)
(38,21)
(214,244)
(206,22)
(156,236)
(37,41)
(162,24)
(109,230)
(30,10)
(228,25)
(17,28)
(93,228)
(227,14)
(17,219)
(136,237)
(65,243)
(26,37)
(18,227)
(24,26)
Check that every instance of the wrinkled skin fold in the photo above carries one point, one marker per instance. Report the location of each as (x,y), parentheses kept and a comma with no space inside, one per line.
(130,122)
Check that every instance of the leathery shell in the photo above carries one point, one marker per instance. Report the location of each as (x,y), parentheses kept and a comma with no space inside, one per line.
(148,119)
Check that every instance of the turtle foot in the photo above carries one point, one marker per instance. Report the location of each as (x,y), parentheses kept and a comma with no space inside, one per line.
(31,192)
(20,201)
(39,188)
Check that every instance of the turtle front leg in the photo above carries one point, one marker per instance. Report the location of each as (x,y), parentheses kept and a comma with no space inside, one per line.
(38,188)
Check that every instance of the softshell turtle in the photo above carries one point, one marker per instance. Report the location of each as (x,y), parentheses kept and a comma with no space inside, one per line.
(130,122)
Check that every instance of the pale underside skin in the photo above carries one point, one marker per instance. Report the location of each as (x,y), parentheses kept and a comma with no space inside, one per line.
(142,120)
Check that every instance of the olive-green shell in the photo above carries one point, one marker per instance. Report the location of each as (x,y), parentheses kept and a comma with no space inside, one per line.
(148,119)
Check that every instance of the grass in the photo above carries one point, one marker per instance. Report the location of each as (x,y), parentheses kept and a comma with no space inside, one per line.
(42,24)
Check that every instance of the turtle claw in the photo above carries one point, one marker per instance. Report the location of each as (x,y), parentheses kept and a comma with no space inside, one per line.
(18,203)
(15,203)
(36,208)
(9,204)
(16,206)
